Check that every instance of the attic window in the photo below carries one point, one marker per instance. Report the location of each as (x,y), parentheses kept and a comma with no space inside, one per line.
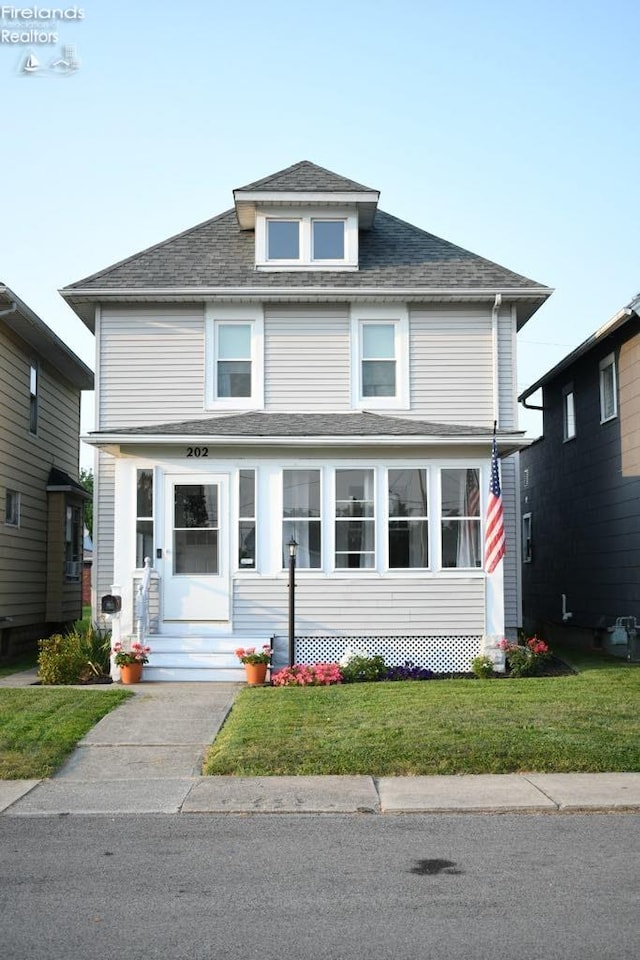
(314,239)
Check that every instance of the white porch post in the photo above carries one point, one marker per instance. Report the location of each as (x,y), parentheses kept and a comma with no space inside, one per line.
(494,617)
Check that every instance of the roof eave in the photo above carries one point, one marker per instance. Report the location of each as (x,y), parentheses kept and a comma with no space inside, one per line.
(247,202)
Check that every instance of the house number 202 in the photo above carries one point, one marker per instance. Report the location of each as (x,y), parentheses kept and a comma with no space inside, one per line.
(197,451)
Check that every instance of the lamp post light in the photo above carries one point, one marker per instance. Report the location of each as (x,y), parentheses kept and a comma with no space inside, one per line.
(293,547)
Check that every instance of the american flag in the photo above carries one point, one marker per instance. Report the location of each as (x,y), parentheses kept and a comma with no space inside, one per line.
(494,528)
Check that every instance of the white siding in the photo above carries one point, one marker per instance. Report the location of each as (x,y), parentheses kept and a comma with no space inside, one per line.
(512,554)
(103,525)
(151,367)
(350,606)
(507,373)
(307,358)
(451,364)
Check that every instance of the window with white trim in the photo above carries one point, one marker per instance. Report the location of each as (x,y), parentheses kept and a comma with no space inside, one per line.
(460,518)
(295,239)
(12,508)
(608,389)
(144,516)
(408,530)
(234,377)
(302,517)
(568,413)
(380,357)
(355,525)
(247,519)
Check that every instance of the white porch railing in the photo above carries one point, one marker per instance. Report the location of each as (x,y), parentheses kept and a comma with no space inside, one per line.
(142,603)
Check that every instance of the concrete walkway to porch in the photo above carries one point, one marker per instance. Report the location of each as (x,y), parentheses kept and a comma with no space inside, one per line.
(146,757)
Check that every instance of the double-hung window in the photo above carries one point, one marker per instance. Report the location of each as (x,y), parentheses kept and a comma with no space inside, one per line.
(12,508)
(302,517)
(608,389)
(460,518)
(247,519)
(379,357)
(408,519)
(234,358)
(355,525)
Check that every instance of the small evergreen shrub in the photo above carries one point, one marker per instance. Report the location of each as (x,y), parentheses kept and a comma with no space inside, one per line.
(61,659)
(482,667)
(362,669)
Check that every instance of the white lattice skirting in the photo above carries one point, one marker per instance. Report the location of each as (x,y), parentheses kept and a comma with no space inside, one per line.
(440,654)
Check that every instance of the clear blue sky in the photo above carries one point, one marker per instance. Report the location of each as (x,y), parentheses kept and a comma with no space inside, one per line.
(510,128)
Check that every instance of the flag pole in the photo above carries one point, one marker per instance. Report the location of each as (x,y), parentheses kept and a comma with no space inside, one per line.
(493,563)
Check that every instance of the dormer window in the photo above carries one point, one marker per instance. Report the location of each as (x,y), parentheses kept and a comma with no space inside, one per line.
(290,239)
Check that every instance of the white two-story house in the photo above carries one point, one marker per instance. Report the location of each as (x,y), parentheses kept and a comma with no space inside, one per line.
(304,366)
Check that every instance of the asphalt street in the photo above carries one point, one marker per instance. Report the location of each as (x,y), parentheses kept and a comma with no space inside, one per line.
(326,887)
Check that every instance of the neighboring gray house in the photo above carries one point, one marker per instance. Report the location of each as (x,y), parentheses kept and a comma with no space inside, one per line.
(581,490)
(41,500)
(304,365)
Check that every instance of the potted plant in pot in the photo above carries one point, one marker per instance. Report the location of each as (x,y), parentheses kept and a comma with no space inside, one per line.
(256,663)
(130,661)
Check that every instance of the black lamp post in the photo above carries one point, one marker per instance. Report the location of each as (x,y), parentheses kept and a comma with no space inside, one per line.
(293,546)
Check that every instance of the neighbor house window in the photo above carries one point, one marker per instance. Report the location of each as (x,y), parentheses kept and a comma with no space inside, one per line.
(568,414)
(73,530)
(283,239)
(527,543)
(144,516)
(408,524)
(460,503)
(608,389)
(301,517)
(33,399)
(355,525)
(247,519)
(12,508)
(233,365)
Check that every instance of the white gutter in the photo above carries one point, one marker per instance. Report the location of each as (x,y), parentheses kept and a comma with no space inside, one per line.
(348,293)
(109,439)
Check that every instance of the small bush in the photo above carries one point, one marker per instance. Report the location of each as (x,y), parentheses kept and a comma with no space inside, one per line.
(526,660)
(79,656)
(61,660)
(362,669)
(482,667)
(409,671)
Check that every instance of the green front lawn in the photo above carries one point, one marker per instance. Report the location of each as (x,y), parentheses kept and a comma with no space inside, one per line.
(40,727)
(586,722)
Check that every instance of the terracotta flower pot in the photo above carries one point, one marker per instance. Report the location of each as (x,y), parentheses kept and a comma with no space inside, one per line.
(256,673)
(131,672)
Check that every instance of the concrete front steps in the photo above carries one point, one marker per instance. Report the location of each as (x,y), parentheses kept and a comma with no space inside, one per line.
(199,659)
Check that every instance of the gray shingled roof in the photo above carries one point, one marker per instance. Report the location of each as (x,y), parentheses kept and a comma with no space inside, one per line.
(217,253)
(260,424)
(307,176)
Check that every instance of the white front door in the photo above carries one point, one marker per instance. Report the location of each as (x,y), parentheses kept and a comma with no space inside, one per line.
(196,548)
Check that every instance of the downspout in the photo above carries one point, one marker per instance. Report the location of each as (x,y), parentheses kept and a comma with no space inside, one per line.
(494,349)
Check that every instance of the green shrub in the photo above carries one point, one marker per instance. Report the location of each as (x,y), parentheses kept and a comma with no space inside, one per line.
(482,667)
(79,656)
(361,668)
(61,659)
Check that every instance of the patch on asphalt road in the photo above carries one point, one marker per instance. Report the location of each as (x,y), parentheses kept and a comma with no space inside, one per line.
(433,868)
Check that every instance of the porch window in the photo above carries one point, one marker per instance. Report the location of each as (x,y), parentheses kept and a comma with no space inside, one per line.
(73,530)
(408,523)
(355,525)
(247,519)
(460,499)
(302,517)
(144,516)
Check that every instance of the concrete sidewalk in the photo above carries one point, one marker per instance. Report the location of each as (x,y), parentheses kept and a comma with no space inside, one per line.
(146,757)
